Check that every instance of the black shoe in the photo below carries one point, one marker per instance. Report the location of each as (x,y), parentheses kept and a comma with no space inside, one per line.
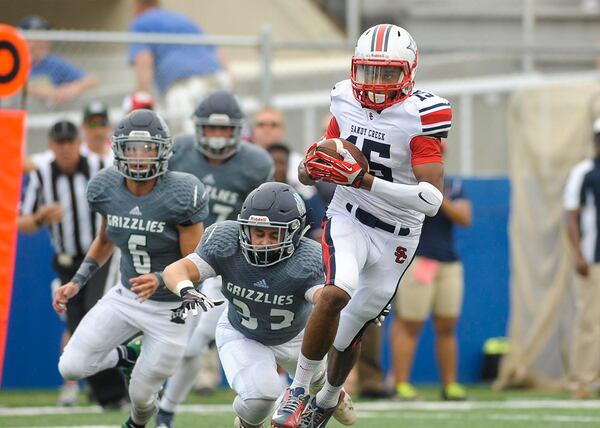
(164,419)
(376,394)
(131,424)
(117,405)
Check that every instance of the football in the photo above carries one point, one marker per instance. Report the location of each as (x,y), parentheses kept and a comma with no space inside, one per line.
(330,146)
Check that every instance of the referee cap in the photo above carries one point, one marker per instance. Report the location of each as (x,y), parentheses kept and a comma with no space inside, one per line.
(63,130)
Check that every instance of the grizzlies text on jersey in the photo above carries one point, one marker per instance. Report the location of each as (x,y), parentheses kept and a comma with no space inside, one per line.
(227,184)
(145,227)
(267,304)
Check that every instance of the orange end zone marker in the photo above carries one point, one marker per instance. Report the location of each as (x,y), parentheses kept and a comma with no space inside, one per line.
(14,69)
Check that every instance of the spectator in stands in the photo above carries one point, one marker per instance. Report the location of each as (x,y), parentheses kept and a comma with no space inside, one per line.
(52,78)
(269,127)
(183,74)
(281,158)
(315,208)
(433,283)
(55,197)
(96,132)
(582,205)
(269,130)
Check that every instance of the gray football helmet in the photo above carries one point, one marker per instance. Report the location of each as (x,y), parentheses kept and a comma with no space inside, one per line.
(142,131)
(275,205)
(219,109)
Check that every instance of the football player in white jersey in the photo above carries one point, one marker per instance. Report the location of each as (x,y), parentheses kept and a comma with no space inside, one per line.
(374,220)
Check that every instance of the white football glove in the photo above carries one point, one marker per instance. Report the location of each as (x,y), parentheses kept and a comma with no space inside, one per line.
(192,299)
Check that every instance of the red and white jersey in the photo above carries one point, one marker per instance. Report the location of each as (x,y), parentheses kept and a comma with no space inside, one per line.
(394,140)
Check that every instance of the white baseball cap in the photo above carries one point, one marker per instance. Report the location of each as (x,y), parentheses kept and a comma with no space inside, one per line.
(596,126)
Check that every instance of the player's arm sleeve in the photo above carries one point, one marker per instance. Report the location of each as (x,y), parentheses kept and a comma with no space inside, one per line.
(196,203)
(423,197)
(205,270)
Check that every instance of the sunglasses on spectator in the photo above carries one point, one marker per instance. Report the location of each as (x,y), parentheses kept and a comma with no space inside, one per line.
(268,124)
(97,123)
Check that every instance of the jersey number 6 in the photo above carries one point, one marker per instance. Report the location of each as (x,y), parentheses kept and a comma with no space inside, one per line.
(140,257)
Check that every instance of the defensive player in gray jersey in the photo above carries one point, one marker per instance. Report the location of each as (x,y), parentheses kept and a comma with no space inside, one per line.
(230,169)
(271,277)
(155,217)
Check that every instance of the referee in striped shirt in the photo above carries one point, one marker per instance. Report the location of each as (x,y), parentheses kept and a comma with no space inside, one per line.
(56,197)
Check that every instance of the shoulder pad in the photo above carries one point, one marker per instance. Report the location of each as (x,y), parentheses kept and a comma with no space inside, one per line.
(186,196)
(307,260)
(220,239)
(183,142)
(102,185)
(339,87)
(435,113)
(258,164)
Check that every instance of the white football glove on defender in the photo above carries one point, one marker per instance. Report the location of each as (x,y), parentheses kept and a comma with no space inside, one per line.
(191,300)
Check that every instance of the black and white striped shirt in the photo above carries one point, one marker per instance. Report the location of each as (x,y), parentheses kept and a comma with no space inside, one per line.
(75,233)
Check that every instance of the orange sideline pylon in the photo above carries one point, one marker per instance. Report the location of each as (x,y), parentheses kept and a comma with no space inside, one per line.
(14,69)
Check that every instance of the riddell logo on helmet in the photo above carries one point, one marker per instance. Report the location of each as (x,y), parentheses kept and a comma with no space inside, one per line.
(259,218)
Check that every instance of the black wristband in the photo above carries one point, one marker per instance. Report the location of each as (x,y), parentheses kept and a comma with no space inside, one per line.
(86,270)
(161,281)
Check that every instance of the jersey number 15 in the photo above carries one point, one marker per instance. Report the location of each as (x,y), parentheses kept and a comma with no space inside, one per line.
(382,149)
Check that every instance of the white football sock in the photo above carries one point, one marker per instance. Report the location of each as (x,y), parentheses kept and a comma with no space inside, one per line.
(305,371)
(328,396)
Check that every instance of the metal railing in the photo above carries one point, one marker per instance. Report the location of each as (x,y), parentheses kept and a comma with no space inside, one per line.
(266,46)
(310,102)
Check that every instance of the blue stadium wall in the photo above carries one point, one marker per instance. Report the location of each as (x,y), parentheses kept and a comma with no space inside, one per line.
(33,343)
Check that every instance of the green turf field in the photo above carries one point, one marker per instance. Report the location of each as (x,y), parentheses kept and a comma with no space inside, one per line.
(487,409)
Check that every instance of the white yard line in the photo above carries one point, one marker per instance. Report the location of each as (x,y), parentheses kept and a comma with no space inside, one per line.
(473,405)
(363,407)
(422,416)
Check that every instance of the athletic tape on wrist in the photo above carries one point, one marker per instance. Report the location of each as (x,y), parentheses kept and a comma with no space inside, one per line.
(86,270)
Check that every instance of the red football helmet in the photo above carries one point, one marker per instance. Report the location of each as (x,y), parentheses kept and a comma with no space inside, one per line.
(138,100)
(383,66)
